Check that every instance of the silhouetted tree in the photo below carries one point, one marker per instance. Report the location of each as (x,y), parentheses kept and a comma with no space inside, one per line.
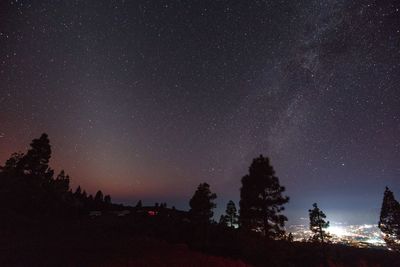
(318,224)
(223,221)
(139,204)
(98,198)
(201,213)
(36,160)
(262,200)
(83,196)
(289,237)
(13,185)
(389,221)
(107,199)
(13,164)
(231,216)
(37,177)
(61,183)
(31,183)
(58,196)
(78,191)
(201,204)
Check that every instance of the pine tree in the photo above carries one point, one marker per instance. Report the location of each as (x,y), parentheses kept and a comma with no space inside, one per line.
(318,224)
(36,160)
(262,200)
(98,198)
(201,204)
(290,237)
(232,217)
(13,165)
(389,222)
(13,187)
(61,183)
(107,199)
(223,221)
(37,180)
(78,192)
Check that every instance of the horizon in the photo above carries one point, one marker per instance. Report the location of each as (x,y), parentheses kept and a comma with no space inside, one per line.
(295,216)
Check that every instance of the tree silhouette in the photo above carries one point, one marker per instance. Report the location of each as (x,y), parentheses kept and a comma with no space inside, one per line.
(231,217)
(318,224)
(262,200)
(99,200)
(30,182)
(36,161)
(201,204)
(289,237)
(84,196)
(58,196)
(37,180)
(389,221)
(139,204)
(61,183)
(223,221)
(107,199)
(78,191)
(99,197)
(12,165)
(13,185)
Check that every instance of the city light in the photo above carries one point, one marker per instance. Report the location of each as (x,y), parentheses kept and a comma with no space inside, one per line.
(338,231)
(364,235)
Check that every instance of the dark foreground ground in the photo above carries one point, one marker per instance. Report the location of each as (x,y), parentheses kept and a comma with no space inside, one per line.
(132,241)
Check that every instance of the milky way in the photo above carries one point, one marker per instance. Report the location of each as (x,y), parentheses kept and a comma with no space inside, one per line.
(146,99)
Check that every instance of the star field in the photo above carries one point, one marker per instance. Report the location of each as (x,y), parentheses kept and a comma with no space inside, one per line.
(146,99)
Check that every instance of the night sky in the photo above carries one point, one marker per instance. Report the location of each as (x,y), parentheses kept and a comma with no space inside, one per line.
(146,99)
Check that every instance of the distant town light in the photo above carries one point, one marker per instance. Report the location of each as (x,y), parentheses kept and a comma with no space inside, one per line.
(152,213)
(338,231)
